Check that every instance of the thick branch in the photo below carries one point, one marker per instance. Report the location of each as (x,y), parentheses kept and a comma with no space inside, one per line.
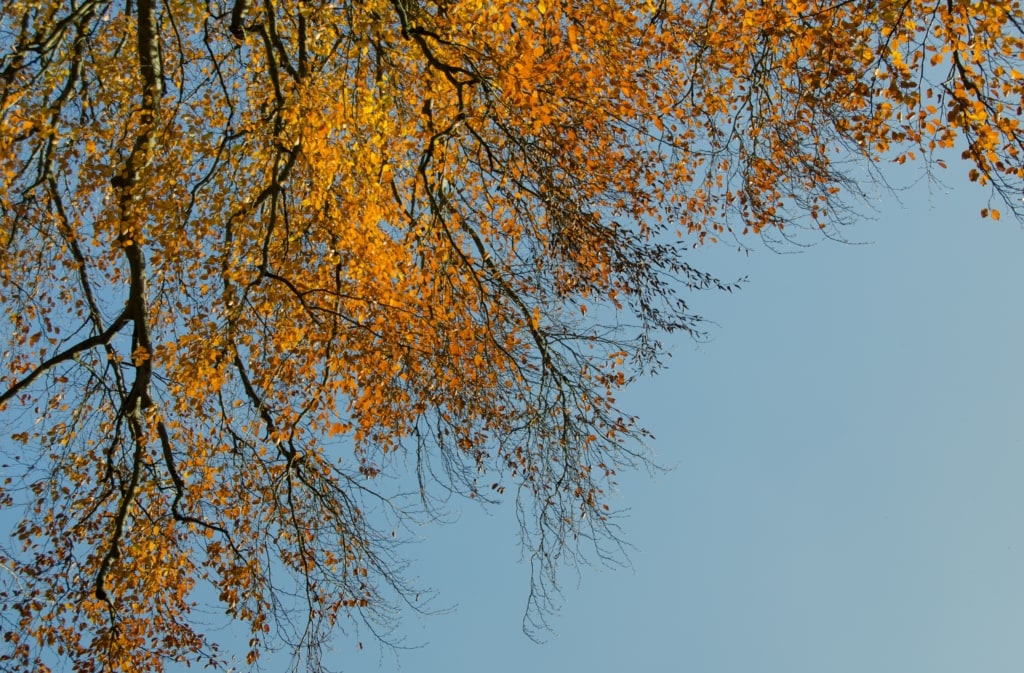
(137,307)
(98,340)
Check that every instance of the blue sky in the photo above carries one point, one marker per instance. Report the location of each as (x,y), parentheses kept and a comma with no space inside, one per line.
(848,455)
(847,491)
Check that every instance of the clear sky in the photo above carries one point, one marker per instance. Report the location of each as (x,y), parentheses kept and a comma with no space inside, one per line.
(848,485)
(848,491)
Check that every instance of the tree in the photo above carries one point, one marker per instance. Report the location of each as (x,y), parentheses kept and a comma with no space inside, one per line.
(277,275)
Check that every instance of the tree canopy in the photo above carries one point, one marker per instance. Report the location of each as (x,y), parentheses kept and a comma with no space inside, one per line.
(279,275)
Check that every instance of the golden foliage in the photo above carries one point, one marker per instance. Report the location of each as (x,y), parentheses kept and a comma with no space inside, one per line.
(258,260)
